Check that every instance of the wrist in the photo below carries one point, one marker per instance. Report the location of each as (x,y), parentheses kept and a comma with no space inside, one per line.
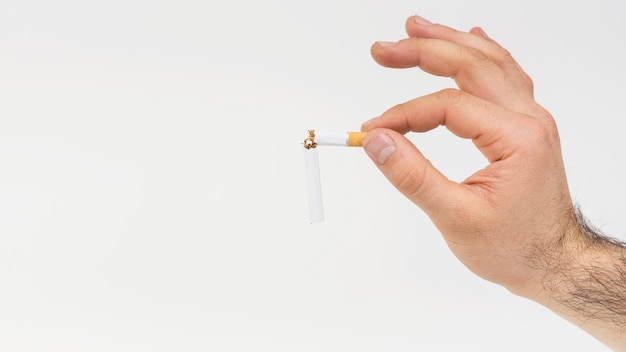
(548,260)
(582,279)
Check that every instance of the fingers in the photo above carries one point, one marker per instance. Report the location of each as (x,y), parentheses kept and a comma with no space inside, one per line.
(478,65)
(414,176)
(472,70)
(477,39)
(507,139)
(494,108)
(497,132)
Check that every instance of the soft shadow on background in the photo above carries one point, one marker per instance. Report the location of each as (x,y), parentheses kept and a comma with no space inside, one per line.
(152,190)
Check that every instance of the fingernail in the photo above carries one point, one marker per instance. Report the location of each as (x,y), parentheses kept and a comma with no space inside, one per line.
(386,44)
(380,148)
(421,20)
(482,33)
(368,122)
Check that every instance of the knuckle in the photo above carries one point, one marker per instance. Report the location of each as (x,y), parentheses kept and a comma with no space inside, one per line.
(398,111)
(450,95)
(544,115)
(473,54)
(474,59)
(527,81)
(504,56)
(398,117)
(453,98)
(505,59)
(543,133)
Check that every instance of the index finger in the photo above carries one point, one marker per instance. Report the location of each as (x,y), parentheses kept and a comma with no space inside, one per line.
(498,133)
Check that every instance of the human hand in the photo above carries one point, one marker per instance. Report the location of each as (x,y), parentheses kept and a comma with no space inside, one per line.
(513,222)
(502,217)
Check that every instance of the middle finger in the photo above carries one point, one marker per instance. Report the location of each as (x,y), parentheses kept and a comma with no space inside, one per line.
(471,69)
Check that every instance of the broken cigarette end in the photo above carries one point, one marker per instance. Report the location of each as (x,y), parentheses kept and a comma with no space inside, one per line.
(342,139)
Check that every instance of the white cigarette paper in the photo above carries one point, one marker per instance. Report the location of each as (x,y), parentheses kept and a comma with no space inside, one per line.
(344,139)
(312,170)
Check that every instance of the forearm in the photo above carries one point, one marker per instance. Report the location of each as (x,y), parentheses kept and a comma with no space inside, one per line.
(585,283)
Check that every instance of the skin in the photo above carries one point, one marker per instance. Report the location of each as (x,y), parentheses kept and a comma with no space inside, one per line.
(513,222)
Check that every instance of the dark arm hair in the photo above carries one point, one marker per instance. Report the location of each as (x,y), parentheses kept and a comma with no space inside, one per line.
(591,281)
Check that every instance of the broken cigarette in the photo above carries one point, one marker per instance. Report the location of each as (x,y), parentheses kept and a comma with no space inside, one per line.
(311,164)
(344,139)
(314,188)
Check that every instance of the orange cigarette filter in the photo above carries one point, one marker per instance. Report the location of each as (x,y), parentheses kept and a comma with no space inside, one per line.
(355,139)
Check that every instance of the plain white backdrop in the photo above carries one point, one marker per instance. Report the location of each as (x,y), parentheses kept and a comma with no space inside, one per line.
(152,193)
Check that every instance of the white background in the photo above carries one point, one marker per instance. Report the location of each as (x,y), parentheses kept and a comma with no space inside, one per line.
(152,193)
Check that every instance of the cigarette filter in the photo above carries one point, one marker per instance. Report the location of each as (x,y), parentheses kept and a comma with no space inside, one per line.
(311,163)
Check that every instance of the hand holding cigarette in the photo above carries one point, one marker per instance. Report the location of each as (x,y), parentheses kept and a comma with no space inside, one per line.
(513,222)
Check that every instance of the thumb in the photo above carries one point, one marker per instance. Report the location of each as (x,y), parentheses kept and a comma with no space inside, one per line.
(411,173)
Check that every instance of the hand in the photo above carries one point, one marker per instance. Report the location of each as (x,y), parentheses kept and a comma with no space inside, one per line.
(513,222)
(500,217)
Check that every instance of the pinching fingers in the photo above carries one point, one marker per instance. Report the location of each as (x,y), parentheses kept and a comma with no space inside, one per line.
(493,129)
